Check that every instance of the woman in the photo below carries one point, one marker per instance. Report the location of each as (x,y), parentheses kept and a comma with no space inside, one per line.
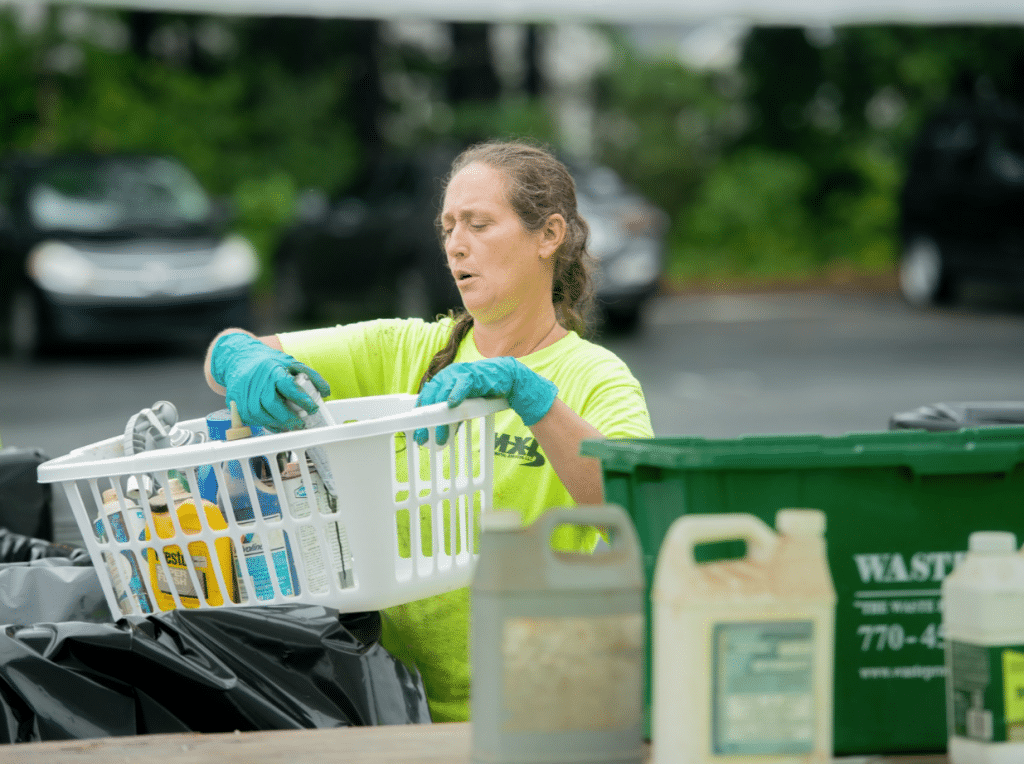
(516,247)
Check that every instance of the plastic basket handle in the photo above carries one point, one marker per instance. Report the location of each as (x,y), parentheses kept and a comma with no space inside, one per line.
(689,531)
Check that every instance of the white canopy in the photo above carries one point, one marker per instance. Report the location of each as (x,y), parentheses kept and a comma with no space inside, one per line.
(795,12)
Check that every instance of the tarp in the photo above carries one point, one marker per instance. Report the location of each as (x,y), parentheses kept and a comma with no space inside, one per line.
(797,12)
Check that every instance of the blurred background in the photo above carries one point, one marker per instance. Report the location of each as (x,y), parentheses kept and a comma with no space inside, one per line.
(797,207)
(714,149)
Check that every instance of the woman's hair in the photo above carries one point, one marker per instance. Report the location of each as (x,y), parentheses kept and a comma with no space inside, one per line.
(537,186)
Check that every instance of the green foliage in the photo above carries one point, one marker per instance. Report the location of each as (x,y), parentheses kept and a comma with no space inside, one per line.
(250,131)
(789,164)
(661,126)
(792,166)
(748,219)
(509,118)
(18,106)
(265,205)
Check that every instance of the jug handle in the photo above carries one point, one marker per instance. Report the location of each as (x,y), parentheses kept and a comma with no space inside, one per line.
(689,531)
(623,543)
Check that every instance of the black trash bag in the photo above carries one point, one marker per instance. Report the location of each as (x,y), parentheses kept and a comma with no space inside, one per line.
(955,416)
(214,670)
(15,547)
(25,503)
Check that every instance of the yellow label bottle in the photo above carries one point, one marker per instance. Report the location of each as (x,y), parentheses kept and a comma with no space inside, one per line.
(202,564)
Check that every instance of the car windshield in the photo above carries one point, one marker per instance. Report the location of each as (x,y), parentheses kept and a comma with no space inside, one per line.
(116,193)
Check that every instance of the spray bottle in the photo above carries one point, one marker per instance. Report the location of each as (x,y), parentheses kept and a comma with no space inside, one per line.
(235,497)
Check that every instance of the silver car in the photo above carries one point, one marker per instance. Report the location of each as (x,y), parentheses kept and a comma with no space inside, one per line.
(115,249)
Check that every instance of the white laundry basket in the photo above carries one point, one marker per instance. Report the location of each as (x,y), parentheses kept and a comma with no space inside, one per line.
(403,526)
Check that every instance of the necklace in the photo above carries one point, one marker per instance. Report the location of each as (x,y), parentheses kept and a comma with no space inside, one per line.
(542,339)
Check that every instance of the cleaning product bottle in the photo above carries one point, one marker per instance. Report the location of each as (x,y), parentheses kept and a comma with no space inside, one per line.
(205,588)
(983,624)
(743,649)
(338,557)
(321,418)
(235,497)
(556,643)
(125,573)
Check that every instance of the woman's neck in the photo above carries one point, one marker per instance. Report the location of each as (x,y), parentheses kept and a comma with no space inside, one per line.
(517,335)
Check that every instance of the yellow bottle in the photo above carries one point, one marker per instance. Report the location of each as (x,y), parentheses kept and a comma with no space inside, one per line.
(203,566)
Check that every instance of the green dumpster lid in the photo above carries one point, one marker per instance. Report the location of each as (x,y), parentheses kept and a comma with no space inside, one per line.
(969,451)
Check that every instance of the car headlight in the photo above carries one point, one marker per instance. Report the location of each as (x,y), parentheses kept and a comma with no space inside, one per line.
(59,267)
(234,264)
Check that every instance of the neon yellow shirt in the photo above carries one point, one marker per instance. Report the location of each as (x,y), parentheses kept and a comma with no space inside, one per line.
(390,356)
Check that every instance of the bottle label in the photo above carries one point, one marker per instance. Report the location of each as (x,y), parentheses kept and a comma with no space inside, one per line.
(986,692)
(280,555)
(762,688)
(319,560)
(124,569)
(282,565)
(180,577)
(573,673)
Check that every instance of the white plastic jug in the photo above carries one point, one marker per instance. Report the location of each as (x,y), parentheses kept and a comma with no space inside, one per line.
(742,661)
(557,643)
(983,622)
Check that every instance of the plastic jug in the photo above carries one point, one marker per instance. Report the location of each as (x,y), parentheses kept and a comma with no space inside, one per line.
(556,643)
(743,650)
(983,622)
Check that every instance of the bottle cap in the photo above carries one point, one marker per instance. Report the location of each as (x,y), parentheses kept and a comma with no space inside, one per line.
(501,520)
(160,503)
(800,522)
(992,542)
(237,429)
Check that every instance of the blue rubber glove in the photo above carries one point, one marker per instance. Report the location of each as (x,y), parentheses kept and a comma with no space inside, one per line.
(259,379)
(528,394)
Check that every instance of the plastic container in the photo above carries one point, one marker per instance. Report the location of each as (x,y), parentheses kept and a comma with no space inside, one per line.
(123,518)
(381,483)
(205,573)
(743,648)
(983,618)
(556,643)
(900,506)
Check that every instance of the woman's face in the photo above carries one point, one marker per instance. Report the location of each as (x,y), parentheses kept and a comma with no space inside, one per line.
(497,264)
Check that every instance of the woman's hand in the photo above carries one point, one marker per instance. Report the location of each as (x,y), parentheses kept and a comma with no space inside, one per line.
(260,380)
(528,394)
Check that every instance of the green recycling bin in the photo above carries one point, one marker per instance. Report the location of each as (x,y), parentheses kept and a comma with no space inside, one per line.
(900,505)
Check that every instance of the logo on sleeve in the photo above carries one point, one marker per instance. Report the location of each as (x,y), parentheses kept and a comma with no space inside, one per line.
(513,447)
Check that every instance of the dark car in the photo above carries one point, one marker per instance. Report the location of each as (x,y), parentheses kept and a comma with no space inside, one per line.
(962,203)
(373,250)
(375,246)
(115,249)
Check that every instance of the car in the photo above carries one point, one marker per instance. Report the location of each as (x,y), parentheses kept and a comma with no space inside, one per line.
(627,239)
(962,202)
(116,249)
(373,250)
